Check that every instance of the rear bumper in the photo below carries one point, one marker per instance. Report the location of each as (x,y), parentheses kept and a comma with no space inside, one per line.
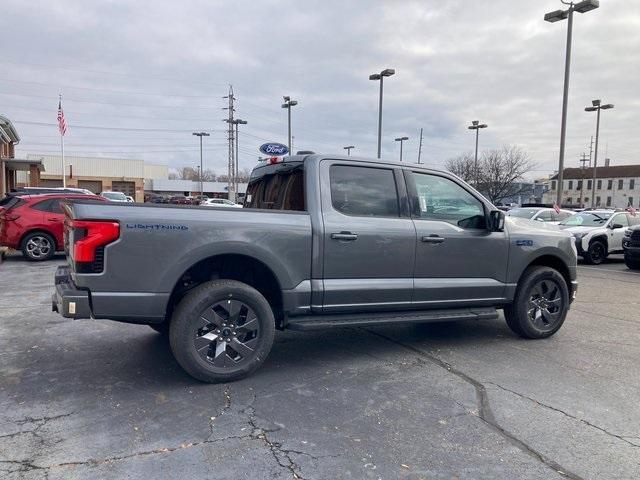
(68,300)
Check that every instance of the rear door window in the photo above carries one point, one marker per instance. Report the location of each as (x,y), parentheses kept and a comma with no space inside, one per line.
(364,191)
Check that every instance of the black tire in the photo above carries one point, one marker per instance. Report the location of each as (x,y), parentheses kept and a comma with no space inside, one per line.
(632,263)
(198,342)
(540,305)
(162,328)
(596,253)
(38,246)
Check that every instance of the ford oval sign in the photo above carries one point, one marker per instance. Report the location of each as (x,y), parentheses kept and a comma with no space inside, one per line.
(274,149)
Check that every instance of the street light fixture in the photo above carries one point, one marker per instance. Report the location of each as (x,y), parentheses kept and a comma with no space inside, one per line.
(201,134)
(288,103)
(237,122)
(401,140)
(387,72)
(552,17)
(596,107)
(476,125)
(348,149)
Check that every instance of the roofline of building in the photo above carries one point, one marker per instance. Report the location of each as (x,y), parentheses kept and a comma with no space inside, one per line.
(10,130)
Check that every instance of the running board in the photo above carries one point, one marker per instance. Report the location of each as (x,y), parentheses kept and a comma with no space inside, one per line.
(316,322)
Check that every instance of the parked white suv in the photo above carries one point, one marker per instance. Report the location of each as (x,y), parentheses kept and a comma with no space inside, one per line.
(540,214)
(598,233)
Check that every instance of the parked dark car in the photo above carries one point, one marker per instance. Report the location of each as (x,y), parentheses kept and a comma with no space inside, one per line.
(631,247)
(323,241)
(35,223)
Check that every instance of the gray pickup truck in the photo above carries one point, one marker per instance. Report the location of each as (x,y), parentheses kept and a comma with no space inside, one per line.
(322,241)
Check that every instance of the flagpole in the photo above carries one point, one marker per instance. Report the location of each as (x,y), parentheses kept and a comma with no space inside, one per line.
(64,180)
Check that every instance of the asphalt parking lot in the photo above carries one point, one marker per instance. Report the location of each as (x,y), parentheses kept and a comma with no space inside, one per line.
(99,399)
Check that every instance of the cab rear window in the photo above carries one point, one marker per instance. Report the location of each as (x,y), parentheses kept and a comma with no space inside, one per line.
(280,190)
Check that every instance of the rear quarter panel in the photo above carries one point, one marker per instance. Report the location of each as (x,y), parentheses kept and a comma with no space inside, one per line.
(159,243)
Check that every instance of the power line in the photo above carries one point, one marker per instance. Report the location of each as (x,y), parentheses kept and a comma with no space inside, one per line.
(95,127)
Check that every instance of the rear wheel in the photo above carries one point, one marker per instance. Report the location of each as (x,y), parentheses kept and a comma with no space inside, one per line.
(540,305)
(596,253)
(222,331)
(38,246)
(632,263)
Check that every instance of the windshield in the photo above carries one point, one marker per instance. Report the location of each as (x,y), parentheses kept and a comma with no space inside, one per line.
(522,212)
(587,219)
(114,195)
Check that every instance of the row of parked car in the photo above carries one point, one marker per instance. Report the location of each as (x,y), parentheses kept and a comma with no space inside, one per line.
(202,200)
(32,219)
(597,232)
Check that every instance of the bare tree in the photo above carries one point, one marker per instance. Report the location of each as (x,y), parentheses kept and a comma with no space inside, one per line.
(187,173)
(502,170)
(209,176)
(462,166)
(244,174)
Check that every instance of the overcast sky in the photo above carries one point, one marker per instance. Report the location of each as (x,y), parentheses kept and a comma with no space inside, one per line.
(153,72)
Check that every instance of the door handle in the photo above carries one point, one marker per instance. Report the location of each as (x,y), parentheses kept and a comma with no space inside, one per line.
(432,239)
(344,236)
(53,219)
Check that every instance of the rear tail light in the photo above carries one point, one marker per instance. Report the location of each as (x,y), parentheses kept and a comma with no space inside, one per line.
(86,240)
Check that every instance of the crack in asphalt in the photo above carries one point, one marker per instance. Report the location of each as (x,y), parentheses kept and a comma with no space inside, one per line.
(484,408)
(581,420)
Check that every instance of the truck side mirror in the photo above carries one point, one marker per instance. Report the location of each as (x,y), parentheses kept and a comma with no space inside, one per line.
(496,220)
(616,226)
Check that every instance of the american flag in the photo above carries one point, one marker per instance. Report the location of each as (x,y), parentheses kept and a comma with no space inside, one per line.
(556,208)
(62,123)
(632,211)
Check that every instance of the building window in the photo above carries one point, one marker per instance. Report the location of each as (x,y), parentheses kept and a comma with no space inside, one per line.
(620,184)
(632,184)
(569,201)
(570,184)
(609,200)
(598,200)
(610,185)
(579,185)
(589,182)
(631,201)
(599,184)
(553,185)
(586,199)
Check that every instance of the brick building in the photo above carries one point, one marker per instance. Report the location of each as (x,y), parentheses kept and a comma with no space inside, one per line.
(616,186)
(10,167)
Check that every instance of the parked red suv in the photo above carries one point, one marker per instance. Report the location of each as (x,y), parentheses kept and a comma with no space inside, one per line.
(35,223)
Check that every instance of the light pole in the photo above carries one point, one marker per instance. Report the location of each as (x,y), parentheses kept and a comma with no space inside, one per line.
(348,149)
(237,122)
(200,134)
(476,125)
(401,140)
(387,72)
(596,107)
(288,103)
(555,16)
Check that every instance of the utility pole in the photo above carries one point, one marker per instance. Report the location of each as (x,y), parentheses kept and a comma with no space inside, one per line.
(583,160)
(200,134)
(596,107)
(231,164)
(555,16)
(590,151)
(237,122)
(420,147)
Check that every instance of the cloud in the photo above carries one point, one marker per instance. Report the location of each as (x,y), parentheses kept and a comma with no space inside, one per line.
(455,61)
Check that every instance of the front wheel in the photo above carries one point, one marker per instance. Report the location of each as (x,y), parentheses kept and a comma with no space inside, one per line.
(222,331)
(632,263)
(540,305)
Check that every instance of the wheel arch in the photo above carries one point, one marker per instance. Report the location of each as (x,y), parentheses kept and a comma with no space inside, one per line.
(40,230)
(600,237)
(551,261)
(232,266)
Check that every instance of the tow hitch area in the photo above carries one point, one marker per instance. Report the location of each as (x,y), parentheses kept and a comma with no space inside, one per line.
(68,301)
